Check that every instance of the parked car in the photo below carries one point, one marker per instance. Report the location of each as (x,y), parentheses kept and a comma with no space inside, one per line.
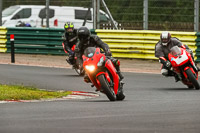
(36,16)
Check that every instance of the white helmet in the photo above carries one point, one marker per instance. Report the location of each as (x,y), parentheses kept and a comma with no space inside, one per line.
(165,38)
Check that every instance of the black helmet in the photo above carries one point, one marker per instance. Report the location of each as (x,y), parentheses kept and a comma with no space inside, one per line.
(83,34)
(69,27)
(165,38)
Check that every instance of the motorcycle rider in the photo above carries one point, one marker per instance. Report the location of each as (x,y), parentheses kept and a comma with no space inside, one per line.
(70,38)
(88,40)
(162,49)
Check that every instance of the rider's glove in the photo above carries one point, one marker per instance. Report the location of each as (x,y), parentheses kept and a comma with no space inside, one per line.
(167,64)
(71,53)
(108,53)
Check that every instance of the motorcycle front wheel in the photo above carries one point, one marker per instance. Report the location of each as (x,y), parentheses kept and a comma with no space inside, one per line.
(192,79)
(105,86)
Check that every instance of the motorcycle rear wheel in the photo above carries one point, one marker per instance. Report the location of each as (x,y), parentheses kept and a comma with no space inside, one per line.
(192,78)
(106,88)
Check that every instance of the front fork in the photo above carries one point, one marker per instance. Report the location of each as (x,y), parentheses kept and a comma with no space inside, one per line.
(112,84)
(193,71)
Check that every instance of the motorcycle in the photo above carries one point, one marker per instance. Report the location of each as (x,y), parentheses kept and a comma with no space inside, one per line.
(102,74)
(77,65)
(183,64)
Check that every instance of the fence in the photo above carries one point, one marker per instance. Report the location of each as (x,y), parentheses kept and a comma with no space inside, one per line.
(198,47)
(174,15)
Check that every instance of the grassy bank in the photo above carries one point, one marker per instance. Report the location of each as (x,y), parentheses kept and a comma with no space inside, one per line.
(16,92)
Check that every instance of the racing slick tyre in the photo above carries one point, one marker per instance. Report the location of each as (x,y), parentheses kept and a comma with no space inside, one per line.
(105,86)
(192,79)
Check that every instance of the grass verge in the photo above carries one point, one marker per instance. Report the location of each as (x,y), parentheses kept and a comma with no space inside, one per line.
(16,92)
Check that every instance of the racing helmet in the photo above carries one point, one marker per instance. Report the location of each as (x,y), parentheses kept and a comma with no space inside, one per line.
(83,34)
(165,38)
(69,27)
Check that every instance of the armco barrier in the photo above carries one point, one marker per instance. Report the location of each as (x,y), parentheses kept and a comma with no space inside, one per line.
(33,40)
(123,43)
(198,47)
(3,39)
(139,43)
(36,40)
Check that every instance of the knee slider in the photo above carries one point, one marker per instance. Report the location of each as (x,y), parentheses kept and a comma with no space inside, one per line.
(164,72)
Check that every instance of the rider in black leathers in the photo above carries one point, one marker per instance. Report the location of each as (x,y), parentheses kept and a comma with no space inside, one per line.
(162,49)
(70,39)
(88,40)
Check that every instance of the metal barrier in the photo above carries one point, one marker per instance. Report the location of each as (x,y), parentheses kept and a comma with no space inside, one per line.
(123,43)
(198,47)
(36,40)
(139,43)
(3,39)
(33,40)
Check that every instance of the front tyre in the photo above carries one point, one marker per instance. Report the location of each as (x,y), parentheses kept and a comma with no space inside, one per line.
(192,79)
(105,86)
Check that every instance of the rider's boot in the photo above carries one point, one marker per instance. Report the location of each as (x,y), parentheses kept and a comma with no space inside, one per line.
(121,87)
(177,77)
(198,69)
(87,79)
(73,66)
(68,61)
(119,72)
(120,75)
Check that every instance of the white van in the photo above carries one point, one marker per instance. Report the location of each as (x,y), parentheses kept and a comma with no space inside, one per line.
(36,16)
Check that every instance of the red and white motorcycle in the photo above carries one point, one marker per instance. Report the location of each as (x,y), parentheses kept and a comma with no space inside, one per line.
(183,64)
(102,73)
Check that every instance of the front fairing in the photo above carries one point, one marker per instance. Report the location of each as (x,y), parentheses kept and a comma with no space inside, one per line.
(179,60)
(181,63)
(92,56)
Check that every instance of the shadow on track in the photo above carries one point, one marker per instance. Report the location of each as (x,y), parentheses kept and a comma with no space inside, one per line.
(102,101)
(175,89)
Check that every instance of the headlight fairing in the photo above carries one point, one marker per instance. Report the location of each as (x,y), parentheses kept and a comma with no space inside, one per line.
(90,68)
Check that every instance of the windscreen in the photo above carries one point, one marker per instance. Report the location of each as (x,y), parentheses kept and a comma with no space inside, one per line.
(9,11)
(89,52)
(175,51)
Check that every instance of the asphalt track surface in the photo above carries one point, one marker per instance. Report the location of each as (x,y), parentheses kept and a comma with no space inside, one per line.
(153,104)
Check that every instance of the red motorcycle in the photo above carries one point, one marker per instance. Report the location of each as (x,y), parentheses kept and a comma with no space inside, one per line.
(102,73)
(183,64)
(77,66)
